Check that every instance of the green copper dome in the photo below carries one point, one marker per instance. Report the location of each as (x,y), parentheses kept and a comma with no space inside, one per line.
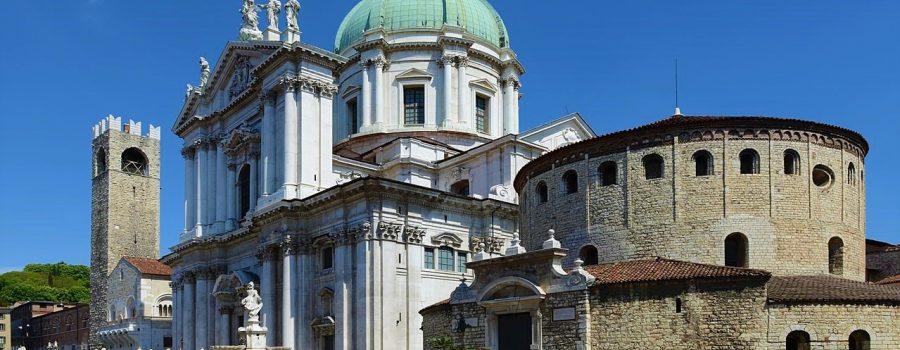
(477,17)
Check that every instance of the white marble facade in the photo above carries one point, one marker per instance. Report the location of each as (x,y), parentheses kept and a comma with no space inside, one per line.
(304,176)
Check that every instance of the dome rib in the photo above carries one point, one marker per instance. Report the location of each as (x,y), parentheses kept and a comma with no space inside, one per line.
(476,17)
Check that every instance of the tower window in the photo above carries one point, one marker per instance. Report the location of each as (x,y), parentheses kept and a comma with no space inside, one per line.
(243,185)
(822,176)
(749,161)
(851,174)
(653,166)
(736,250)
(836,256)
(414,105)
(542,192)
(134,162)
(791,162)
(353,116)
(703,163)
(608,173)
(570,180)
(481,113)
(588,254)
(460,188)
(100,162)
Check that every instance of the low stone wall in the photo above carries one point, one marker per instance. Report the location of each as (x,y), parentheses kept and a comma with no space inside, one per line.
(715,315)
(829,326)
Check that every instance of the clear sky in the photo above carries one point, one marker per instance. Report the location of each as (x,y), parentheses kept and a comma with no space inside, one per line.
(64,65)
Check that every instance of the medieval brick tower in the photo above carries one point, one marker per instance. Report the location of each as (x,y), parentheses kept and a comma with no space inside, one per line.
(124,204)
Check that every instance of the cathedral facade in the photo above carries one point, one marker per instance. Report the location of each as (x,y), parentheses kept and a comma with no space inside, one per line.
(351,185)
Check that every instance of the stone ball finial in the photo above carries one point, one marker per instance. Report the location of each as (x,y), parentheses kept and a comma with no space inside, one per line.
(551,242)
(551,232)
(578,264)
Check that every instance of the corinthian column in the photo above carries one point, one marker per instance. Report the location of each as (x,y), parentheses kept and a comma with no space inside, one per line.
(288,291)
(201,181)
(189,191)
(187,340)
(212,166)
(379,65)
(267,290)
(508,84)
(230,198)
(447,62)
(291,146)
(268,146)
(202,306)
(365,96)
(221,171)
(463,87)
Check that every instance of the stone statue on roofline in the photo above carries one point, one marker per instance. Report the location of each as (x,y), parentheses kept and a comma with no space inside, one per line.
(291,12)
(273,9)
(204,72)
(250,28)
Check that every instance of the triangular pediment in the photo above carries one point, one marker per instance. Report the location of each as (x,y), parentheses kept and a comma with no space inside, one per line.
(414,73)
(484,84)
(560,132)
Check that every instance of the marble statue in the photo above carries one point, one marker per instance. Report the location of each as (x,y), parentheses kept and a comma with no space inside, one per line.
(273,8)
(250,28)
(291,11)
(252,303)
(204,72)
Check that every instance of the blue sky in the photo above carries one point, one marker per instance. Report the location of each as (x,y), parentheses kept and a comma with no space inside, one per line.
(66,64)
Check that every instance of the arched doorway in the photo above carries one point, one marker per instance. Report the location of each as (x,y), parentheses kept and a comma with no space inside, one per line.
(513,318)
(797,340)
(859,340)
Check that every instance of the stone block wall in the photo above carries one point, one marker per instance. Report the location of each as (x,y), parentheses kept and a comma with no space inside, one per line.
(829,326)
(787,219)
(723,315)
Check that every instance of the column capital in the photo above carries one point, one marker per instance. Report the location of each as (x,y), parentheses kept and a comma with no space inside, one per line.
(188,277)
(188,151)
(289,83)
(462,61)
(265,253)
(288,245)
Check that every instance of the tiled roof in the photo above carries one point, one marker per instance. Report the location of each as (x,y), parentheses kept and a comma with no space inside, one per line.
(149,266)
(895,279)
(436,306)
(827,288)
(664,270)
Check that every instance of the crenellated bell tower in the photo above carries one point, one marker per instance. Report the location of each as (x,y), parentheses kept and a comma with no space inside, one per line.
(125,176)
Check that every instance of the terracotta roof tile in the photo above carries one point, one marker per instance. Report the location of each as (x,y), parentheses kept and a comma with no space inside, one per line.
(664,270)
(149,266)
(895,279)
(828,288)
(436,306)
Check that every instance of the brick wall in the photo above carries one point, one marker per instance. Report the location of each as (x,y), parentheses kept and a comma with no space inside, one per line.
(829,326)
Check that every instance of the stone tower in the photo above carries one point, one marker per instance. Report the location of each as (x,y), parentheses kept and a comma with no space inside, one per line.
(124,203)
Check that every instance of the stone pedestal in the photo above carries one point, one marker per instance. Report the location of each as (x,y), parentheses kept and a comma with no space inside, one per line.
(271,35)
(253,336)
(290,35)
(249,34)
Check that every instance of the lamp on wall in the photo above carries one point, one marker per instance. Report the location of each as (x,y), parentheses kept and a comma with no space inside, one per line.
(461,325)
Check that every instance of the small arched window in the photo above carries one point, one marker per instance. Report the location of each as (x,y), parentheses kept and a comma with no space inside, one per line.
(791,162)
(327,298)
(327,257)
(749,161)
(653,166)
(797,340)
(835,256)
(243,187)
(542,192)
(859,340)
(100,162)
(570,181)
(703,163)
(851,174)
(588,254)
(134,162)
(736,250)
(460,188)
(608,173)
(130,309)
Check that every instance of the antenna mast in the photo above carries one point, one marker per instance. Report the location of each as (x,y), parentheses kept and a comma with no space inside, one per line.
(677,109)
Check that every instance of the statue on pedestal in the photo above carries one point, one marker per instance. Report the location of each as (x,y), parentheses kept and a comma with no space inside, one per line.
(252,304)
(291,11)
(273,8)
(204,72)
(250,29)
(253,336)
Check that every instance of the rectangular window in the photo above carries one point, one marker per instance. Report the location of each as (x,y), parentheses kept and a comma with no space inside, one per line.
(414,105)
(461,262)
(353,116)
(445,259)
(327,258)
(481,113)
(429,258)
(2,327)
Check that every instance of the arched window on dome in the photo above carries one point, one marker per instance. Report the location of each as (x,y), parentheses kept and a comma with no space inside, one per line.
(859,340)
(653,166)
(736,250)
(703,163)
(836,256)
(353,116)
(134,162)
(414,105)
(588,254)
(797,340)
(851,174)
(243,187)
(749,161)
(460,188)
(100,162)
(791,162)
(542,192)
(609,172)
(570,181)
